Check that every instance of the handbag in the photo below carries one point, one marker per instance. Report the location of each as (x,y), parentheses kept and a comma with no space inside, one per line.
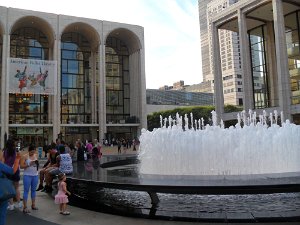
(7,190)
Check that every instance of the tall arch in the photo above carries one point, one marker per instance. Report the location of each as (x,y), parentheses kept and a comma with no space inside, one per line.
(123,74)
(31,38)
(37,23)
(79,73)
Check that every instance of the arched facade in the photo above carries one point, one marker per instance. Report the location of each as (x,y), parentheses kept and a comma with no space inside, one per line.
(268,33)
(93,62)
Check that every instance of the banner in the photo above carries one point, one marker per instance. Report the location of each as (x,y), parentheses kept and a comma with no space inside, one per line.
(31,76)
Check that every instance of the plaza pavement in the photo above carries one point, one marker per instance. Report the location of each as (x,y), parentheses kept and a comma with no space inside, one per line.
(48,213)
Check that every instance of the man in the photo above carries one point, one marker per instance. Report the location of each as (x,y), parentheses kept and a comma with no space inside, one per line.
(51,164)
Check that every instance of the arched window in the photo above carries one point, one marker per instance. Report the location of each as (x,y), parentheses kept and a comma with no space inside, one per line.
(28,43)
(117,81)
(75,79)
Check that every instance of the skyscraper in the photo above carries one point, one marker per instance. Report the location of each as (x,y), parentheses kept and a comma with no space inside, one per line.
(229,52)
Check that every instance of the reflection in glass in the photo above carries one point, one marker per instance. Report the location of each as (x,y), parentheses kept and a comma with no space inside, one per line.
(293,51)
(28,43)
(259,67)
(75,79)
(117,80)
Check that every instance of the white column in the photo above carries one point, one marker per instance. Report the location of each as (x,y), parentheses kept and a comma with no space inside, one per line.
(93,86)
(135,84)
(56,96)
(4,91)
(143,103)
(217,71)
(246,64)
(271,65)
(284,87)
(102,92)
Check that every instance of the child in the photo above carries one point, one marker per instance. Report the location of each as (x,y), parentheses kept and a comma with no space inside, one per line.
(61,198)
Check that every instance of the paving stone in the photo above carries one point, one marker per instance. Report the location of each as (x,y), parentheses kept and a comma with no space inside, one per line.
(237,217)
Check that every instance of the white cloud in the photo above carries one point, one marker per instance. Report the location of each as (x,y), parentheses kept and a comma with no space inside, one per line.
(172,35)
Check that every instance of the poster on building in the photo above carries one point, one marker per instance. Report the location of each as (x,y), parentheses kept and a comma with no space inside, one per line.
(31,76)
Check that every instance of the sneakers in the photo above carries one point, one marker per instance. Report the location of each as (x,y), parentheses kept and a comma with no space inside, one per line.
(41,187)
(18,205)
(47,189)
(10,207)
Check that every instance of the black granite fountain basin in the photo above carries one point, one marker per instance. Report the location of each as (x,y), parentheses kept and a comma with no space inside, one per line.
(114,186)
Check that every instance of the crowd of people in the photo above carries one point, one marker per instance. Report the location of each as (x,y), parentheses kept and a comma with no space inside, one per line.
(60,157)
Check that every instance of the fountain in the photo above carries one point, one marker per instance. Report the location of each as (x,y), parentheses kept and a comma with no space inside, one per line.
(250,147)
(197,172)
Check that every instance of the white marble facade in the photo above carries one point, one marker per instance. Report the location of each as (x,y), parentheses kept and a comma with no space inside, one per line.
(96,32)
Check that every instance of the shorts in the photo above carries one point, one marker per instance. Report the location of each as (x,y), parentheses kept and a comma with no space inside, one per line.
(54,172)
(15,177)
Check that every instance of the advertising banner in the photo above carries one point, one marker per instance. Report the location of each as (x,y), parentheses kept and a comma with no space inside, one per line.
(32,76)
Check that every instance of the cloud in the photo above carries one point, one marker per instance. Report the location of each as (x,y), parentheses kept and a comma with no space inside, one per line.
(172,33)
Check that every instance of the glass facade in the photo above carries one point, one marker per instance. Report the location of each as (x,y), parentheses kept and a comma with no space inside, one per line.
(260,75)
(86,95)
(75,79)
(292,32)
(27,108)
(160,97)
(117,81)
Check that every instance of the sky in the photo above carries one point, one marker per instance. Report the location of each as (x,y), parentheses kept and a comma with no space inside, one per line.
(171,31)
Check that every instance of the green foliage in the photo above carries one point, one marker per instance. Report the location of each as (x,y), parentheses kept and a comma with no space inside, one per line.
(199,112)
(232,108)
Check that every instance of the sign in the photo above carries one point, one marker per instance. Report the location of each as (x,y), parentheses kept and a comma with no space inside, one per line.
(32,76)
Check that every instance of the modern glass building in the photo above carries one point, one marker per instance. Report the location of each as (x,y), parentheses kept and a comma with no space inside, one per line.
(69,77)
(176,97)
(269,34)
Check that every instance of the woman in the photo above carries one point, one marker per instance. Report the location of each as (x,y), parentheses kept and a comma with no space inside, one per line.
(30,164)
(7,170)
(9,158)
(64,161)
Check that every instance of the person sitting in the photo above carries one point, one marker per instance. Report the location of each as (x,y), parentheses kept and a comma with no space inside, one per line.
(7,170)
(50,165)
(65,166)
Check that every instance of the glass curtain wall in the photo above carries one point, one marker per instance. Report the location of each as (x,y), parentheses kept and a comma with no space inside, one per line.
(259,67)
(27,108)
(292,32)
(76,76)
(117,81)
(75,79)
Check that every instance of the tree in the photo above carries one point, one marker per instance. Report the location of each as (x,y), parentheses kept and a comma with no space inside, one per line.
(153,120)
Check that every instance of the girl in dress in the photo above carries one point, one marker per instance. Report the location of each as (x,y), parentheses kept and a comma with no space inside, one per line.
(61,197)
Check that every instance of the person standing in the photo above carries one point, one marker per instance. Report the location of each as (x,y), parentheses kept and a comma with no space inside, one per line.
(61,197)
(30,164)
(80,150)
(10,156)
